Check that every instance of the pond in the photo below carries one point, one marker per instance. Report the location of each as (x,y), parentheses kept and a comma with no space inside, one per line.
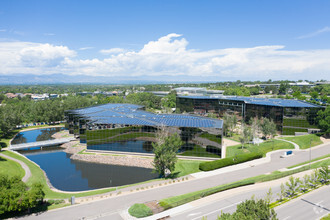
(73,175)
(36,135)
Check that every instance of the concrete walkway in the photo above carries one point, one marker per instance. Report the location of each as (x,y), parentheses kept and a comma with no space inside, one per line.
(296,146)
(23,165)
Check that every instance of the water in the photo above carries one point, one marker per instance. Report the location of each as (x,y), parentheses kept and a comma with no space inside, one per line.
(126,146)
(35,135)
(74,175)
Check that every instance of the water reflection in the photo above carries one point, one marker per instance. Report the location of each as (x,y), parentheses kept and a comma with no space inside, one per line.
(73,175)
(36,135)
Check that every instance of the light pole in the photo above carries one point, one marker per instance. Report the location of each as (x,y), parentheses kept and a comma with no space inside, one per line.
(310,153)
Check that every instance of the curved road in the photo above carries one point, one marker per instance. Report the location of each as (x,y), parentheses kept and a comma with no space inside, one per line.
(110,207)
(23,165)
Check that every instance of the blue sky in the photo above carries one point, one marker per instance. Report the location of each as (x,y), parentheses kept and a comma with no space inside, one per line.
(151,39)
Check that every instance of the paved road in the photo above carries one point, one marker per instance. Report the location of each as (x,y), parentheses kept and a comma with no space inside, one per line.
(23,165)
(310,206)
(111,205)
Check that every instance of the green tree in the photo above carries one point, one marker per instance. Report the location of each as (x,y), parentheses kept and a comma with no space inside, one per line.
(282,192)
(314,94)
(292,185)
(268,127)
(15,196)
(283,88)
(165,150)
(324,174)
(246,134)
(251,209)
(323,120)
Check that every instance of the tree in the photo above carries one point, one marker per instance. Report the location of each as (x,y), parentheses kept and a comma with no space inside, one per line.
(268,127)
(269,196)
(324,174)
(282,193)
(165,150)
(255,127)
(323,120)
(251,209)
(292,186)
(246,134)
(314,94)
(283,88)
(15,196)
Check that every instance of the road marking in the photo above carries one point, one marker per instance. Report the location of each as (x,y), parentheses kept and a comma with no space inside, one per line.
(287,217)
(217,210)
(192,214)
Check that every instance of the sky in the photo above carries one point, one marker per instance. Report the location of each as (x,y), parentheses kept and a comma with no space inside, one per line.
(161,40)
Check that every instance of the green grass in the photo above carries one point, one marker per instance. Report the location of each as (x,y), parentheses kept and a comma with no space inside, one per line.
(297,123)
(185,167)
(327,217)
(198,151)
(211,137)
(315,159)
(139,210)
(11,168)
(291,131)
(263,148)
(188,197)
(304,141)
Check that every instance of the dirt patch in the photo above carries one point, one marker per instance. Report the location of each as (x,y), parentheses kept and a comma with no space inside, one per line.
(154,206)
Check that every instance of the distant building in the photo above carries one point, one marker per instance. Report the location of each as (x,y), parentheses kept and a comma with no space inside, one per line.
(289,115)
(197,91)
(37,97)
(10,95)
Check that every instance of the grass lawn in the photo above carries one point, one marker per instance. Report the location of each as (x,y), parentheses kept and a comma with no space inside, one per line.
(304,141)
(263,148)
(315,159)
(139,210)
(185,167)
(11,168)
(211,137)
(185,198)
(327,217)
(198,151)
(234,137)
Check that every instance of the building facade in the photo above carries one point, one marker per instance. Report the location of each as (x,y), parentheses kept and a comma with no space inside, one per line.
(290,116)
(128,128)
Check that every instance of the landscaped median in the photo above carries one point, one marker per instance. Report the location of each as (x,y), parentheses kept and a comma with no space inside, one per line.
(175,201)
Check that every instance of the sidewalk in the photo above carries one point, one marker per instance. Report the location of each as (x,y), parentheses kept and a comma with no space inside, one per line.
(23,165)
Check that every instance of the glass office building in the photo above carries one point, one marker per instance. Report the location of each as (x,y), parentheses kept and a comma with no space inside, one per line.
(128,128)
(289,115)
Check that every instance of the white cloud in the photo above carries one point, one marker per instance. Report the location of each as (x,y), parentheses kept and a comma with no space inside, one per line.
(316,33)
(49,34)
(168,56)
(3,30)
(112,51)
(86,48)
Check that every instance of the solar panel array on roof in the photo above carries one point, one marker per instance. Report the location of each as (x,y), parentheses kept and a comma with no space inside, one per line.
(128,114)
(261,101)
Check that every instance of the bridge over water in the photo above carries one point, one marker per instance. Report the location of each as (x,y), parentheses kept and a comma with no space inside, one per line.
(41,143)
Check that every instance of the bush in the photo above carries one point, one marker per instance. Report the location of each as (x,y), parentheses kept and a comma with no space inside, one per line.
(139,210)
(207,166)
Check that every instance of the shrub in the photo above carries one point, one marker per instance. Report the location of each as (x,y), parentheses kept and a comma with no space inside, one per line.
(207,166)
(139,210)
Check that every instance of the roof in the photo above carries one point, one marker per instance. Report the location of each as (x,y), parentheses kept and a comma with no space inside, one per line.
(261,101)
(129,114)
